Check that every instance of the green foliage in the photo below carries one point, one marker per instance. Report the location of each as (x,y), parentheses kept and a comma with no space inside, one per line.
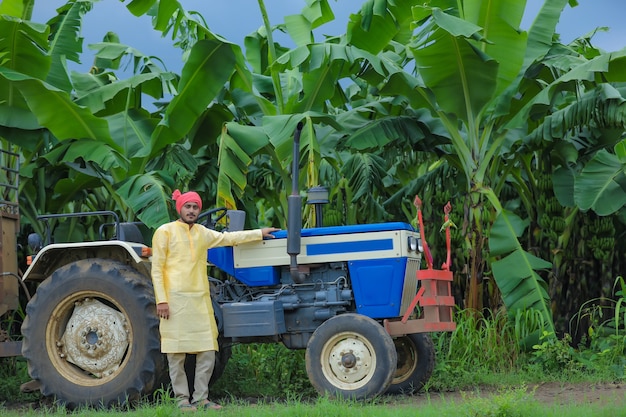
(600,351)
(605,339)
(555,356)
(515,402)
(470,111)
(13,373)
(480,341)
(523,289)
(483,350)
(265,370)
(480,345)
(323,407)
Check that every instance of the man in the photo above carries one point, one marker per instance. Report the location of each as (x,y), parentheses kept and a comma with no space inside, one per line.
(181,288)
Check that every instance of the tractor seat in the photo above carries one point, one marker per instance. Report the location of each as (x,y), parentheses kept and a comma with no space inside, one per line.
(129,232)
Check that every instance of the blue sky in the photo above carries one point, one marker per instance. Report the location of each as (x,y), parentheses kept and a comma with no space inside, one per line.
(234,19)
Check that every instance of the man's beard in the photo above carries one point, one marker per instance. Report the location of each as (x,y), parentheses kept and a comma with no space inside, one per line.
(190,221)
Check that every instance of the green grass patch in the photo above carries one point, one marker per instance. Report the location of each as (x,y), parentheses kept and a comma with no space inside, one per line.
(512,402)
(482,354)
(264,370)
(13,373)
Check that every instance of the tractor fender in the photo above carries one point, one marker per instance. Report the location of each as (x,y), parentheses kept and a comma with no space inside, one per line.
(54,256)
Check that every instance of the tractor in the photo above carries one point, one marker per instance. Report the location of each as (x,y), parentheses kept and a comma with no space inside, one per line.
(354,297)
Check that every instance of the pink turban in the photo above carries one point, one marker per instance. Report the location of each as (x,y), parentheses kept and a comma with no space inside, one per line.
(182,199)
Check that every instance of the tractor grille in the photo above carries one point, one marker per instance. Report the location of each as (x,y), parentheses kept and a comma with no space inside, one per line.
(410,283)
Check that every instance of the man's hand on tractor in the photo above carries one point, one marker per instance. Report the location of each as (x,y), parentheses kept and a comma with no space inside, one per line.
(267,232)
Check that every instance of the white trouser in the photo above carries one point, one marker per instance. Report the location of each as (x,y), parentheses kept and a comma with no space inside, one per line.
(205,362)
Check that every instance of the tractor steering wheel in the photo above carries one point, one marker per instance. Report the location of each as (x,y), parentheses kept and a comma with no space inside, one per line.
(213,216)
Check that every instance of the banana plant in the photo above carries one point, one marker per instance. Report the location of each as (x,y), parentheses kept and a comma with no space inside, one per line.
(475,71)
(589,177)
(98,121)
(280,89)
(326,85)
(577,148)
(470,58)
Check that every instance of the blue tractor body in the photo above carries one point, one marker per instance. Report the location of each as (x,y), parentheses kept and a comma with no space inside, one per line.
(365,269)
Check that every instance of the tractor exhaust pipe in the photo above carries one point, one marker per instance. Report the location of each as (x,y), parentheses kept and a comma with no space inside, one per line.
(294,212)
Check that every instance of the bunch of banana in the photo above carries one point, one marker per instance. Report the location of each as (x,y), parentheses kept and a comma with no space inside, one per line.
(333,217)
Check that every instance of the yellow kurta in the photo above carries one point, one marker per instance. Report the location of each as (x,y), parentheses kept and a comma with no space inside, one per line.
(179,276)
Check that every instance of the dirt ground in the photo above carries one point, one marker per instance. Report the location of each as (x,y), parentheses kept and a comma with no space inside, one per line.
(552,393)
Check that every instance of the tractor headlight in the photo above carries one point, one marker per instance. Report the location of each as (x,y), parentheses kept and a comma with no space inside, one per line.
(413,244)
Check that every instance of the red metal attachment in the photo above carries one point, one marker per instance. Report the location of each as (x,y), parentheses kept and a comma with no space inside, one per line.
(429,257)
(447,209)
(435,293)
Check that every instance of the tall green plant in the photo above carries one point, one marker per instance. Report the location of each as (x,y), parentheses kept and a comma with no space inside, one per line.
(475,71)
(94,126)
(468,56)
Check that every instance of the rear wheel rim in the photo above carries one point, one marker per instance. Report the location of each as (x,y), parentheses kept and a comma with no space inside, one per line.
(407,359)
(77,344)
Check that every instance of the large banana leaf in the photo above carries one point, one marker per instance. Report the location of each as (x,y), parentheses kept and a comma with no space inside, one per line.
(280,129)
(603,107)
(311,74)
(114,97)
(210,65)
(23,47)
(147,195)
(132,131)
(401,84)
(515,270)
(462,78)
(300,26)
(250,139)
(87,150)
(414,128)
(141,7)
(318,86)
(17,8)
(48,103)
(601,186)
(380,22)
(238,143)
(541,33)
(539,41)
(245,88)
(233,163)
(66,42)
(505,43)
(605,66)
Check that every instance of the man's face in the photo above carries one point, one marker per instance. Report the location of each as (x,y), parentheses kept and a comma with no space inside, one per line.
(189,212)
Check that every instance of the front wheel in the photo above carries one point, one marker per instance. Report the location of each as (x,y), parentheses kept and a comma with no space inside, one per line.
(91,335)
(416,361)
(350,356)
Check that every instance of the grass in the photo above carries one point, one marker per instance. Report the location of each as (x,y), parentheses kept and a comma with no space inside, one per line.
(13,373)
(512,402)
(483,354)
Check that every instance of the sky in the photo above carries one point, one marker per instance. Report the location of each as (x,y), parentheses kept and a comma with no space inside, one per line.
(234,19)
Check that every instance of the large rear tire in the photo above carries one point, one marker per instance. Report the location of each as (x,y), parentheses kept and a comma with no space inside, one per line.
(91,335)
(416,361)
(350,356)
